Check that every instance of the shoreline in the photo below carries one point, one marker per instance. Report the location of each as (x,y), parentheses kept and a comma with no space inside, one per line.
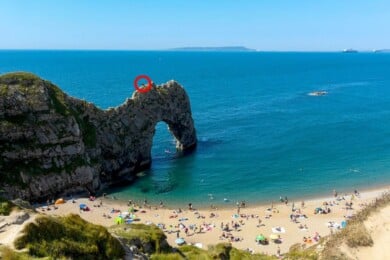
(232,203)
(252,220)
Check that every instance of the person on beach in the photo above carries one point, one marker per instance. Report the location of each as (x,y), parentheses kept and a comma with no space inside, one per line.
(190,206)
(278,252)
(161,204)
(259,223)
(302,204)
(226,227)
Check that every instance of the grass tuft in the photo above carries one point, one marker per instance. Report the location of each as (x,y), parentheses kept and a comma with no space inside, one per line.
(5,207)
(7,253)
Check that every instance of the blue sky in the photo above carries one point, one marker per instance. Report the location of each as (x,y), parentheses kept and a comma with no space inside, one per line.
(144,24)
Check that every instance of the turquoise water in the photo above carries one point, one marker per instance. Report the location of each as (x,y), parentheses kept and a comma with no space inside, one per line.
(260,134)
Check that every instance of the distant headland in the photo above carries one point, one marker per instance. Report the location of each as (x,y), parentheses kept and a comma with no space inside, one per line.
(222,49)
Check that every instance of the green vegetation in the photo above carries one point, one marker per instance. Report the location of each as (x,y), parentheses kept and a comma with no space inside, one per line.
(22,78)
(5,207)
(61,106)
(219,251)
(68,237)
(88,130)
(10,172)
(3,90)
(58,100)
(162,90)
(142,235)
(9,254)
(171,256)
(296,252)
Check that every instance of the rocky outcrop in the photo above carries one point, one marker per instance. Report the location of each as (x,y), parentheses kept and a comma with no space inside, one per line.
(51,143)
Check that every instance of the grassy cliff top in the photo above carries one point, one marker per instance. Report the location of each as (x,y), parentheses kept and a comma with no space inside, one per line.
(21,78)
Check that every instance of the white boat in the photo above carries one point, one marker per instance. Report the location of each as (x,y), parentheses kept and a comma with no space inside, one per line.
(349,51)
(318,93)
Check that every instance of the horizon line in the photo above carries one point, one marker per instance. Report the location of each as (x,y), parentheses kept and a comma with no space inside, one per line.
(177,49)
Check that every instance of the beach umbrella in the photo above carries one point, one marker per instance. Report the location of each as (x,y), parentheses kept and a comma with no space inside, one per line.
(83,206)
(260,238)
(118,220)
(273,236)
(343,224)
(125,214)
(133,216)
(180,241)
(59,201)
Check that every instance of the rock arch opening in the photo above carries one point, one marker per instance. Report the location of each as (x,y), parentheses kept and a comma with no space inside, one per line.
(164,143)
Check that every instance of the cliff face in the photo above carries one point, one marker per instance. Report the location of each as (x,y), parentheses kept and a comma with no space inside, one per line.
(51,143)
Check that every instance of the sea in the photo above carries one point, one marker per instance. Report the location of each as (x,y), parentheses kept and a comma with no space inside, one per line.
(260,134)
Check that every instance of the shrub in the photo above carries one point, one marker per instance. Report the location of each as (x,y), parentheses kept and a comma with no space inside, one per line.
(169,256)
(358,235)
(69,236)
(220,251)
(5,207)
(9,254)
(149,238)
(296,252)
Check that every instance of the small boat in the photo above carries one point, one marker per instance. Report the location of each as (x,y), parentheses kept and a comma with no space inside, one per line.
(349,51)
(318,93)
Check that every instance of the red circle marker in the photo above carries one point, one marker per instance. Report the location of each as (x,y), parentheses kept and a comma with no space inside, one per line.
(145,89)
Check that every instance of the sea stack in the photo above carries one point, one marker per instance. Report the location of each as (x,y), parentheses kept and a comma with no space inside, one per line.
(51,143)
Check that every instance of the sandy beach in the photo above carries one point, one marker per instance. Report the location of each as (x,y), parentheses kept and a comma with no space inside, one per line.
(241,227)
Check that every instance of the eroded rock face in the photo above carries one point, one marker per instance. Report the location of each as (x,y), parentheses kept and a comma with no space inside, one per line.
(51,143)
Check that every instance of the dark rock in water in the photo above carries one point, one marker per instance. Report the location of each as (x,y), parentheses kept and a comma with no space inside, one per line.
(51,143)
(165,188)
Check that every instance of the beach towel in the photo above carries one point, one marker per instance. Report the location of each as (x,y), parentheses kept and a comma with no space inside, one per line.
(278,230)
